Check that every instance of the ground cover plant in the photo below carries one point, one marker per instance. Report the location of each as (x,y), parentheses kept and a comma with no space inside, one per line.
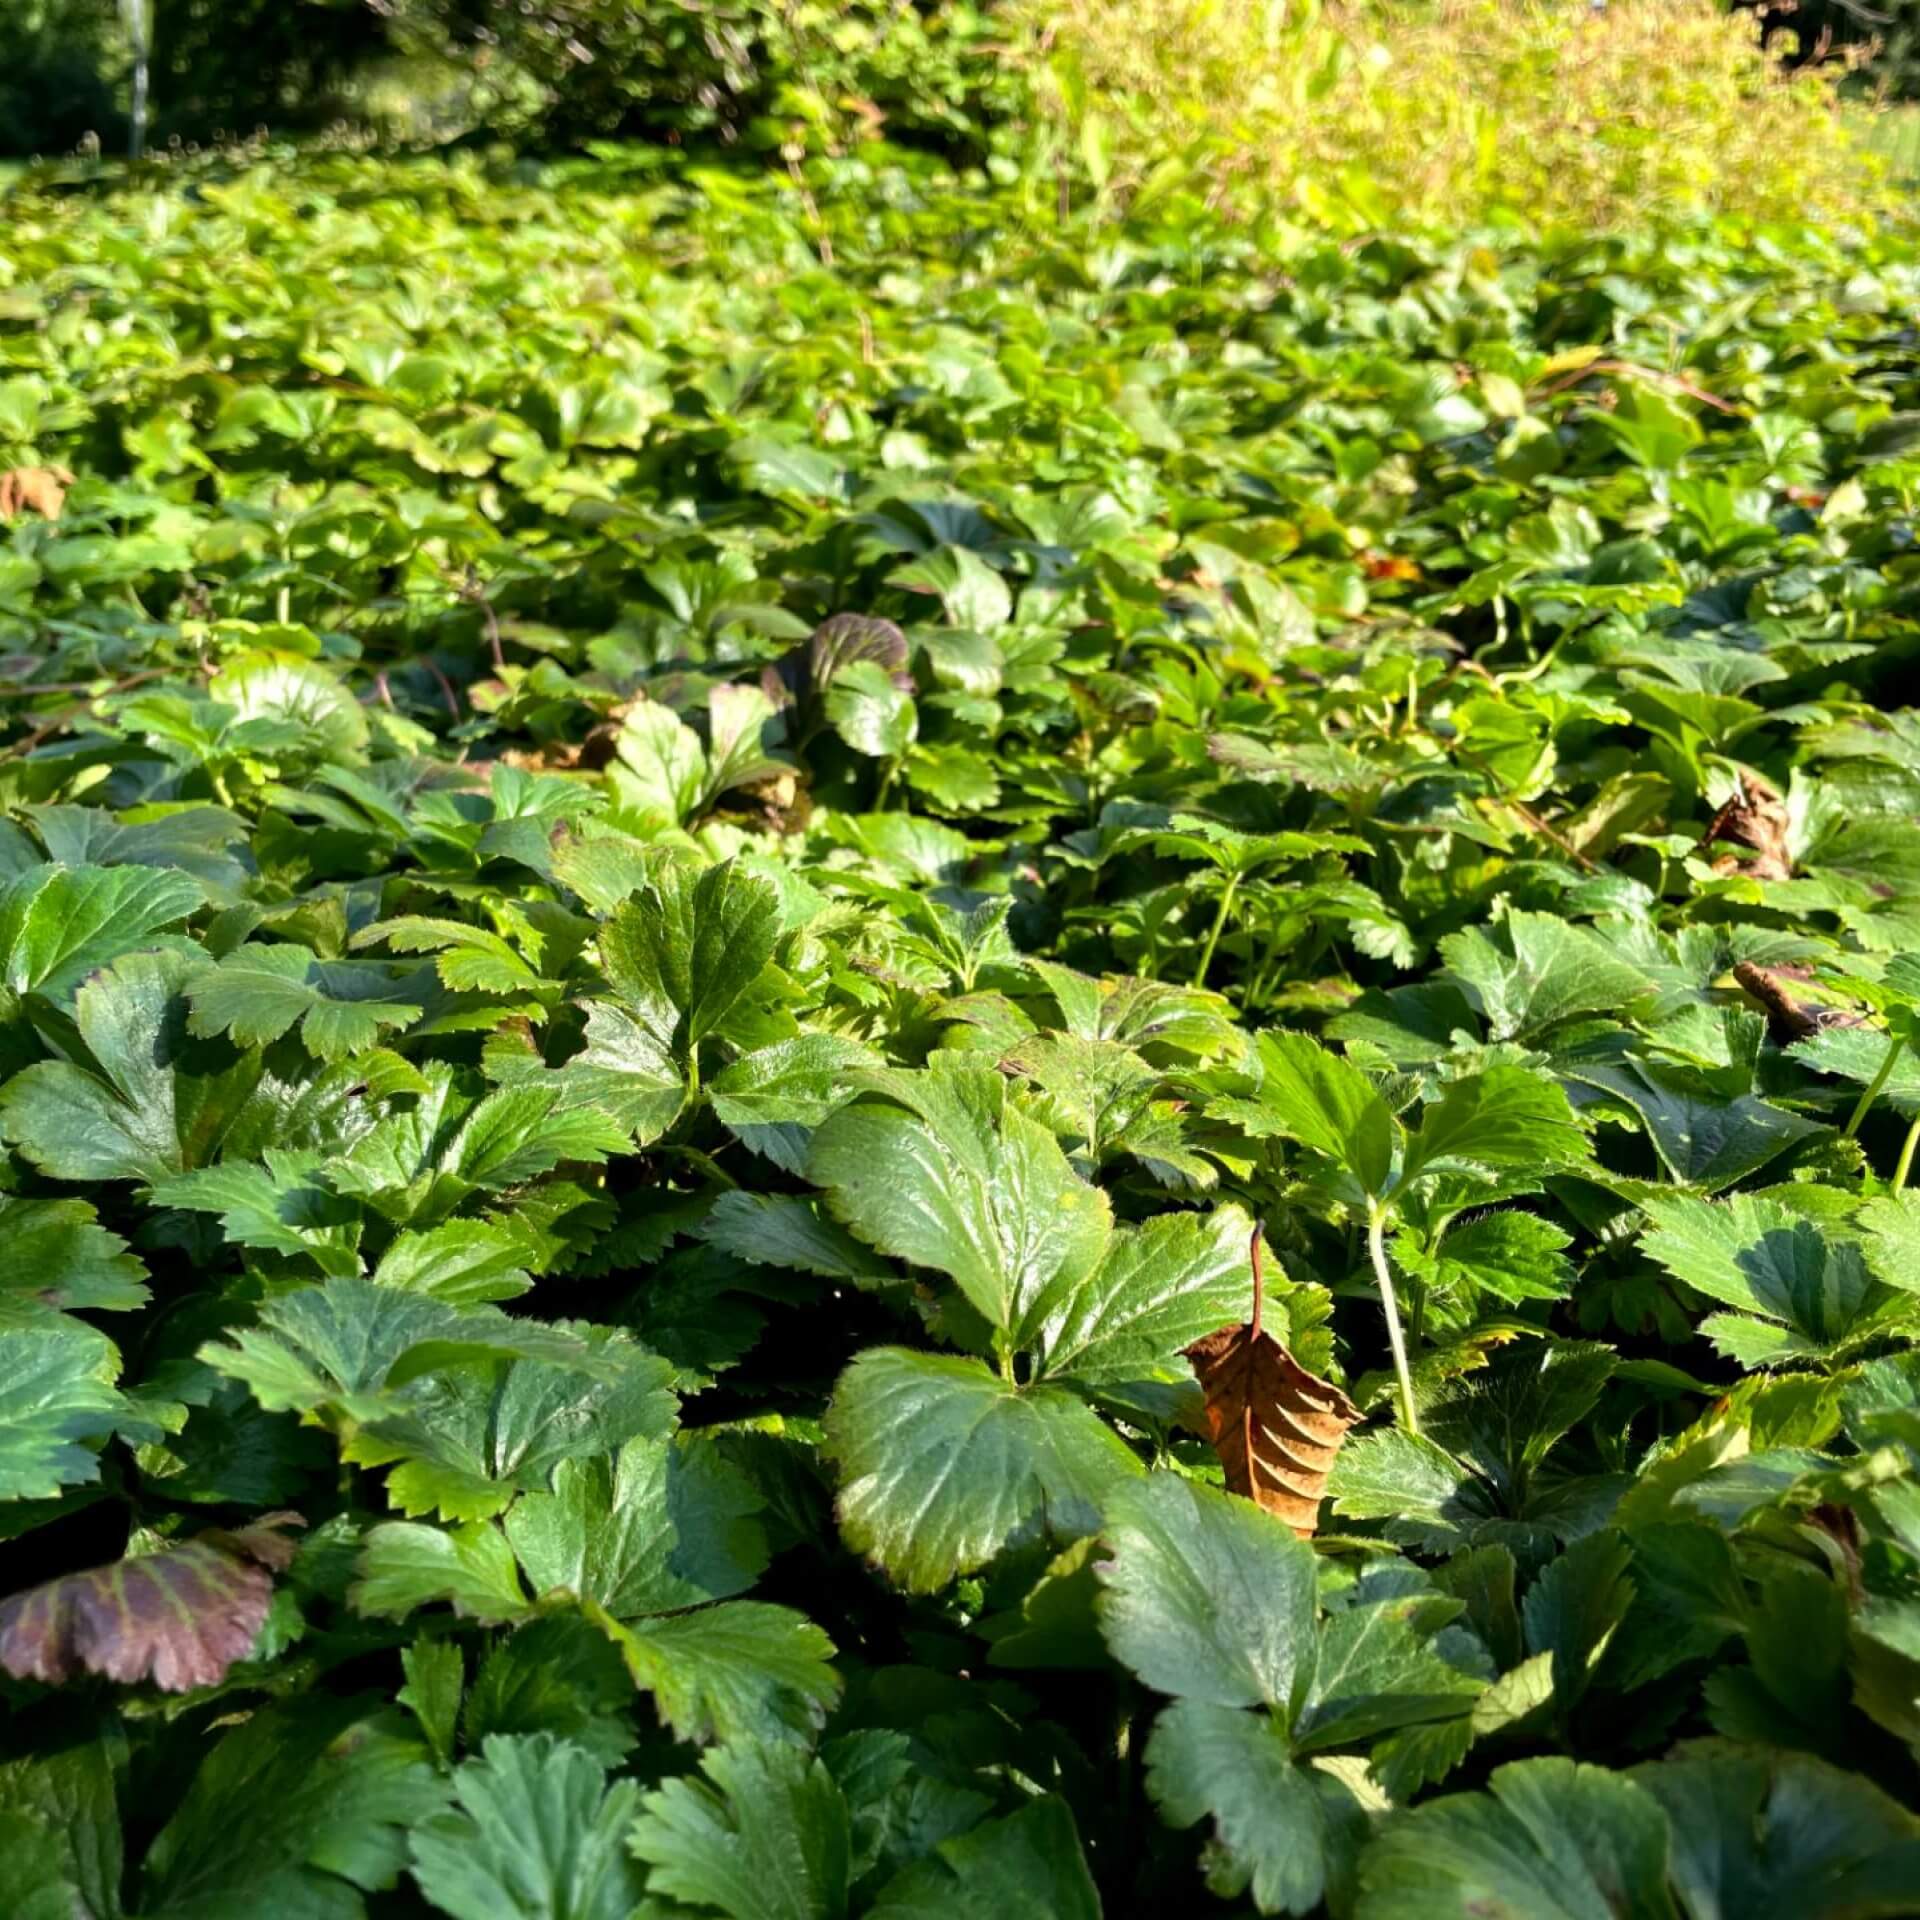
(698,866)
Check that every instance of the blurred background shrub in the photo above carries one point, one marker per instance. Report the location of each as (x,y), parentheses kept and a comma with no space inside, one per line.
(773,69)
(1589,112)
(60,63)
(1569,114)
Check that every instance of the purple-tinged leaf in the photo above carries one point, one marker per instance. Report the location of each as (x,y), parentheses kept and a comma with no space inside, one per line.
(180,1617)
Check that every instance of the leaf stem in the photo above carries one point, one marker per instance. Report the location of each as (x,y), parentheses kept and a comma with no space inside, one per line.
(1895,1046)
(1904,1165)
(1377,1251)
(1259,1279)
(704,1163)
(1219,921)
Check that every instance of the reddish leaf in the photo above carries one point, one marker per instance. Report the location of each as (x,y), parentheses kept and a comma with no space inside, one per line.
(1275,1426)
(181,1617)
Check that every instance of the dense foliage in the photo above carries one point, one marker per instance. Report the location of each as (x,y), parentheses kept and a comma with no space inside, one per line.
(1613,115)
(683,857)
(1554,112)
(554,72)
(767,70)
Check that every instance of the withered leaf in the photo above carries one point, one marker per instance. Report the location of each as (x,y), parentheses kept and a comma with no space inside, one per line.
(1275,1426)
(180,1617)
(1789,1019)
(1754,817)
(41,490)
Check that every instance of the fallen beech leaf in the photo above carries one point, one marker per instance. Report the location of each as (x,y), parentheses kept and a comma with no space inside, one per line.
(181,1617)
(1275,1426)
(1754,817)
(41,490)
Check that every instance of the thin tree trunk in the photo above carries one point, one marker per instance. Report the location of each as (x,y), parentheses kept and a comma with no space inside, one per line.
(140,31)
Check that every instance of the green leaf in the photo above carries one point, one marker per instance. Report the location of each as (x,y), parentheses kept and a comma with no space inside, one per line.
(60,1259)
(1793,1691)
(475,1432)
(870,713)
(35,1871)
(1208,1597)
(662,1524)
(124,1122)
(1378,1669)
(964,1182)
(556,1673)
(348,1344)
(257,993)
(1757,1831)
(404,1566)
(1536,971)
(1321,1100)
(1269,1834)
(1890,1225)
(300,1809)
(798,1081)
(1573,1609)
(1027,1866)
(180,1617)
(781,1230)
(436,1673)
(60,924)
(1504,1120)
(463,1262)
(471,959)
(321,714)
(684,949)
(662,771)
(1159,1288)
(1756,1254)
(739,1670)
(762,1835)
(67,1790)
(1505,1420)
(57,1394)
(971,593)
(1705,1139)
(784,469)
(1512,1256)
(943,1466)
(625,1070)
(1688,1599)
(1417,1487)
(1551,1841)
(417,1164)
(279,1206)
(538,1835)
(743,728)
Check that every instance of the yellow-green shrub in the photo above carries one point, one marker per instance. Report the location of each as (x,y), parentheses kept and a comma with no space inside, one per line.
(1558,113)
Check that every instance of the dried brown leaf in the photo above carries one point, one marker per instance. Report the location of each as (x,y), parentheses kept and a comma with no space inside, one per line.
(1789,1019)
(1275,1426)
(41,490)
(1754,817)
